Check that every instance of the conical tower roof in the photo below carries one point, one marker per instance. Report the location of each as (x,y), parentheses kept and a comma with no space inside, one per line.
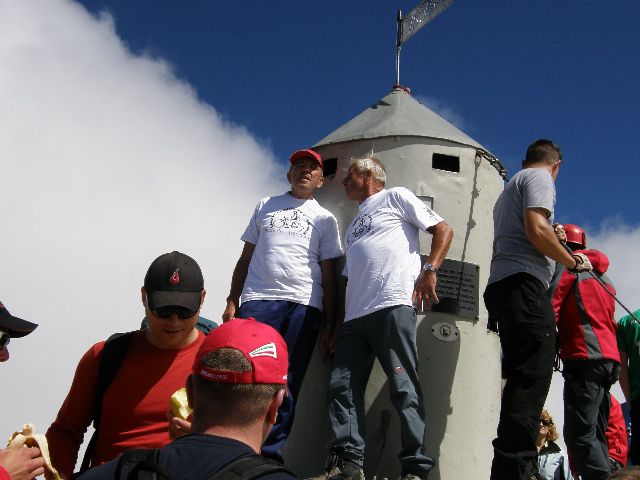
(399,114)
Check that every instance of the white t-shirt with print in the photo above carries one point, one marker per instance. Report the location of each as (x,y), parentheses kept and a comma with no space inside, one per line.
(383,251)
(291,236)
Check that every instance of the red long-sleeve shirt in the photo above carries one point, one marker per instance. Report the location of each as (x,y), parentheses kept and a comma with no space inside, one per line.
(133,408)
(585,312)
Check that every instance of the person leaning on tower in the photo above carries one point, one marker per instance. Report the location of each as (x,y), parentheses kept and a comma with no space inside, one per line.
(286,276)
(385,282)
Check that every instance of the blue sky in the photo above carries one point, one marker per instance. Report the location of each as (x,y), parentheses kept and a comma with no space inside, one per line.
(506,72)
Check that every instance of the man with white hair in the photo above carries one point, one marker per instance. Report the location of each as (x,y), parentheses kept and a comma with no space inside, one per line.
(385,282)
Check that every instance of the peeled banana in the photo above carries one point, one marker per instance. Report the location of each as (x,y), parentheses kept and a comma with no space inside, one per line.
(27,438)
(180,405)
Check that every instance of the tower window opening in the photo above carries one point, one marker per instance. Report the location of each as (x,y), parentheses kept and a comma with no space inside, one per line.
(450,163)
(330,167)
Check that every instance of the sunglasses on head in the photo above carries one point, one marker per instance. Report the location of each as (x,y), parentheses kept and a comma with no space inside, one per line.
(546,423)
(168,311)
(4,339)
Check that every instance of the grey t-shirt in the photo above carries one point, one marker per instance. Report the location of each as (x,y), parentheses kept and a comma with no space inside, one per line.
(512,250)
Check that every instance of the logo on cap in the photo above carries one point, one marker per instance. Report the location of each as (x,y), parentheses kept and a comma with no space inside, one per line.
(268,350)
(175,278)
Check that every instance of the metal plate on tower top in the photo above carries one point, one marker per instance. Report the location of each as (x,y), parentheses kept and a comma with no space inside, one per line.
(445,332)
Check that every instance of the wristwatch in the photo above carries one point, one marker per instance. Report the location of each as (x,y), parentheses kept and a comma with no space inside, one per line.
(427,267)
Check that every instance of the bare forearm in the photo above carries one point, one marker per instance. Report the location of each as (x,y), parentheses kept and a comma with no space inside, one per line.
(329,291)
(440,243)
(240,272)
(543,238)
(625,384)
(237,280)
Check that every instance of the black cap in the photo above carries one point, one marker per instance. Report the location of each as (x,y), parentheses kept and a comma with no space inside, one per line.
(14,326)
(174,279)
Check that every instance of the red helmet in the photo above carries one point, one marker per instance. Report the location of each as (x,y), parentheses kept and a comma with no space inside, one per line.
(575,236)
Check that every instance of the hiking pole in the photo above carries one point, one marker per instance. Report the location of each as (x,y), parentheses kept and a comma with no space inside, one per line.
(602,284)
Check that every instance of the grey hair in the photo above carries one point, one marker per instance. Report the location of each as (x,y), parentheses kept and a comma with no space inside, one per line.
(371,163)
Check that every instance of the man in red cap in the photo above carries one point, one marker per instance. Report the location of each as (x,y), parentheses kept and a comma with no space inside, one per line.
(285,275)
(23,463)
(132,412)
(237,384)
(589,352)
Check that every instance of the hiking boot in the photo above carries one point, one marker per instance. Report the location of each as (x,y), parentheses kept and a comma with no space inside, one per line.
(340,469)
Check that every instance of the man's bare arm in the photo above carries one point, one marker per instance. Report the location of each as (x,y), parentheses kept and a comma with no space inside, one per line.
(237,281)
(625,383)
(328,268)
(425,288)
(544,239)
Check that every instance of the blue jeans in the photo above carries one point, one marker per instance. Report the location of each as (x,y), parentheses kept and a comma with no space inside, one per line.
(390,336)
(298,325)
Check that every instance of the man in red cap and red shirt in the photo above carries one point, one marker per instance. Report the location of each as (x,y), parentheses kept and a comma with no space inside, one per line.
(589,352)
(23,463)
(237,384)
(285,275)
(132,413)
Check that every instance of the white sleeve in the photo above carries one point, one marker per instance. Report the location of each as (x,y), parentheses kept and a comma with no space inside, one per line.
(252,232)
(415,211)
(329,239)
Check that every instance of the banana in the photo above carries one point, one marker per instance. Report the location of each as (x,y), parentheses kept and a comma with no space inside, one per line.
(180,405)
(27,438)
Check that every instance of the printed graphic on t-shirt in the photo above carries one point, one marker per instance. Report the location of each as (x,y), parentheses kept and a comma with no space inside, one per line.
(290,221)
(361,226)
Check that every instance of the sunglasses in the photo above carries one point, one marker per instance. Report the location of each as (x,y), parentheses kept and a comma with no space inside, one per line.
(4,339)
(546,423)
(168,311)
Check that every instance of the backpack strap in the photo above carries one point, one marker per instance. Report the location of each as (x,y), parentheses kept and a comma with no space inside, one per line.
(249,468)
(140,464)
(113,353)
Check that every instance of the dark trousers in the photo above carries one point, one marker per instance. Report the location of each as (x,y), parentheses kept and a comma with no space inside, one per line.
(586,414)
(520,308)
(298,325)
(635,431)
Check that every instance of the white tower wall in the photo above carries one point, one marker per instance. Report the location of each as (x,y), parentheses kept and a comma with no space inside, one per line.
(460,378)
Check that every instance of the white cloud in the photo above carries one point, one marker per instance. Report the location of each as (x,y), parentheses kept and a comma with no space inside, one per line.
(446,111)
(619,241)
(108,160)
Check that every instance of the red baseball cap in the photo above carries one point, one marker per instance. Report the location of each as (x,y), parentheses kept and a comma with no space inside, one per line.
(262,346)
(308,153)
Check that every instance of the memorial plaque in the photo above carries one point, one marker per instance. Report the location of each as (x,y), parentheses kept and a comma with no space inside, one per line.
(458,288)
